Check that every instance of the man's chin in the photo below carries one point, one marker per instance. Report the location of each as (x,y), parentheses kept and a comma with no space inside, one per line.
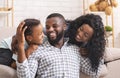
(52,39)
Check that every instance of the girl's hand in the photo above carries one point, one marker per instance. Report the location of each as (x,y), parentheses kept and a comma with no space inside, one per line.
(21,41)
(20,34)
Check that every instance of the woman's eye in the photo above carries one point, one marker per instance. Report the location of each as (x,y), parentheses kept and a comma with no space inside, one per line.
(86,35)
(81,28)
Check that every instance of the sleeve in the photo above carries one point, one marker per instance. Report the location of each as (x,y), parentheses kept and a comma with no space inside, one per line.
(28,68)
(3,44)
(6,43)
(87,69)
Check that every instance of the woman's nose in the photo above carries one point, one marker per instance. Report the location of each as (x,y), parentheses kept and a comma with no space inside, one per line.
(80,34)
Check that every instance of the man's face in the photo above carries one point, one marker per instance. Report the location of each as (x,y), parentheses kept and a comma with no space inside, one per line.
(55,29)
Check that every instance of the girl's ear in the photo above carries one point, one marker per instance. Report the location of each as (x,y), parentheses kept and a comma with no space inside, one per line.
(29,38)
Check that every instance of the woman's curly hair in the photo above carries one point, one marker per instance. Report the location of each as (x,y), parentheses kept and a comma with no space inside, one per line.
(96,45)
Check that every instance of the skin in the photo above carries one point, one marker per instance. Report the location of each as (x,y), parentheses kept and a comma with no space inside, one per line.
(35,39)
(37,36)
(84,33)
(55,31)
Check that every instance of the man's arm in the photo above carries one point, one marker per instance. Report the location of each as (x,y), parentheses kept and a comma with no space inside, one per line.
(87,69)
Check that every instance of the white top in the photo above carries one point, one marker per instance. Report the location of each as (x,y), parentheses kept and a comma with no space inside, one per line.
(6,43)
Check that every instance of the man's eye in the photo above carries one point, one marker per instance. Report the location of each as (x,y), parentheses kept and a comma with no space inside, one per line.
(47,27)
(54,26)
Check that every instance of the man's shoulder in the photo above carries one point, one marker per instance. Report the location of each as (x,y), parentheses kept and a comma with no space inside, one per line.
(41,50)
(44,46)
(71,45)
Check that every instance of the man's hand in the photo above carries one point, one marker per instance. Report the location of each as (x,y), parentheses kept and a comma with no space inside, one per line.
(83,52)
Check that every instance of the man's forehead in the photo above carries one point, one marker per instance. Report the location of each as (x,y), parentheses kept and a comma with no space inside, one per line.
(54,20)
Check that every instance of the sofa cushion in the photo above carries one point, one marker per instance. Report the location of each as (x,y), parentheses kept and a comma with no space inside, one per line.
(112,54)
(7,72)
(103,73)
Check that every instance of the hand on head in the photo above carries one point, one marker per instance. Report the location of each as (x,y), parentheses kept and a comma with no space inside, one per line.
(18,39)
(20,34)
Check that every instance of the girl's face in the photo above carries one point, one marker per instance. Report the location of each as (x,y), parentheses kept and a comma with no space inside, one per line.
(37,36)
(84,33)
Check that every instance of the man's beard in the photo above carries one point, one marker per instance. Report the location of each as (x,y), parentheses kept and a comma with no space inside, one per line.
(58,38)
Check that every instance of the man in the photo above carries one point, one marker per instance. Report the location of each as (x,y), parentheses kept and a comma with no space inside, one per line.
(55,58)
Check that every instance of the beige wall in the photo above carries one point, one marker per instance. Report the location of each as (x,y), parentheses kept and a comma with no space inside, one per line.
(69,8)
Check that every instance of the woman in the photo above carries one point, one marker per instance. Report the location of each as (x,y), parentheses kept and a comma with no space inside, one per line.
(87,32)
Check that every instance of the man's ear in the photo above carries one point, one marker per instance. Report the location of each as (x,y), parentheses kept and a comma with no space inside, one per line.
(65,27)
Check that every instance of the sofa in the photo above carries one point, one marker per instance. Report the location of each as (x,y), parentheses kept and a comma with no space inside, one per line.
(111,68)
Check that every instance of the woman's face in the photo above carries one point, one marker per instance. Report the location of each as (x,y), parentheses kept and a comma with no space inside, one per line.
(84,33)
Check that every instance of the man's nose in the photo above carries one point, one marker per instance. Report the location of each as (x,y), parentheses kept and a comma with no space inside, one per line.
(51,29)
